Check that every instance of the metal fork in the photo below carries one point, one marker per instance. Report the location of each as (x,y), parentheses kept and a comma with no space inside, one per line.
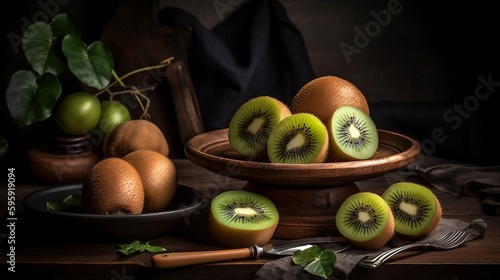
(448,241)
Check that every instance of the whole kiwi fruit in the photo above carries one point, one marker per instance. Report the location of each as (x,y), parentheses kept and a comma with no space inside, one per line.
(158,175)
(416,209)
(132,135)
(353,135)
(252,124)
(113,186)
(239,218)
(366,220)
(298,138)
(323,95)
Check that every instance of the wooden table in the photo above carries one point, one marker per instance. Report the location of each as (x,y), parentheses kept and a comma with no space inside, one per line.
(55,256)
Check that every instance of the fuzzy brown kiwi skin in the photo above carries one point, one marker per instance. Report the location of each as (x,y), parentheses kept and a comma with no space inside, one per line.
(113,186)
(158,175)
(323,95)
(134,135)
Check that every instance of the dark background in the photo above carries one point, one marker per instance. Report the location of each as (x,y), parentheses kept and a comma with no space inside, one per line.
(425,62)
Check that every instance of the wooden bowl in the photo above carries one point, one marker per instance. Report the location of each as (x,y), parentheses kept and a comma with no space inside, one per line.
(307,196)
(212,151)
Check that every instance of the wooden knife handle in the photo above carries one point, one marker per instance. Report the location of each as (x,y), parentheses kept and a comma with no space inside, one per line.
(171,260)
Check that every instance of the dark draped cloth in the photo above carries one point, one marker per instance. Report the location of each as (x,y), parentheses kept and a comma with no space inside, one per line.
(255,51)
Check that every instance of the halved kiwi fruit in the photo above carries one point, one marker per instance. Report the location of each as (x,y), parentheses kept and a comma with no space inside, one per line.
(416,209)
(366,220)
(252,124)
(353,135)
(240,218)
(323,95)
(298,138)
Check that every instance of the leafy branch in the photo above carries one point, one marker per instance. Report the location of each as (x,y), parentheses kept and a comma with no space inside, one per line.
(50,49)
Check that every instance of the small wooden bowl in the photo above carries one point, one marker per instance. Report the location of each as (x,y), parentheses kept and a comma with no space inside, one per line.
(64,160)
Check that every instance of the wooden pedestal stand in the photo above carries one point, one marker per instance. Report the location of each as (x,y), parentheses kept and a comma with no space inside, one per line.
(307,196)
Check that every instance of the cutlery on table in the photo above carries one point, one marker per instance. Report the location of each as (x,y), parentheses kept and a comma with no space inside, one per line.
(178,259)
(448,241)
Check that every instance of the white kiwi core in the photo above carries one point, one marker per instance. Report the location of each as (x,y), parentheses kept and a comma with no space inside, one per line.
(255,125)
(408,208)
(354,132)
(297,141)
(247,211)
(363,216)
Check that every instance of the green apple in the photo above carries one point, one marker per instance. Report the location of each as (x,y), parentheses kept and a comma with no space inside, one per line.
(113,113)
(78,113)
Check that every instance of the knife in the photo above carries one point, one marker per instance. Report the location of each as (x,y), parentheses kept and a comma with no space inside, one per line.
(178,259)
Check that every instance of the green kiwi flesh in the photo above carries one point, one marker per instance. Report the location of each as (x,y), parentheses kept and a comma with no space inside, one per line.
(353,135)
(241,218)
(298,138)
(416,209)
(253,122)
(366,220)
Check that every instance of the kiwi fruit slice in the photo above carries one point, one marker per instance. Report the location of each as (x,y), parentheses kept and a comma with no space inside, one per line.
(298,138)
(113,186)
(323,95)
(241,218)
(252,124)
(366,220)
(416,209)
(353,135)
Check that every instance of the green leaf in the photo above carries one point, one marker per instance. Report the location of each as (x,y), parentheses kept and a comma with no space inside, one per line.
(63,24)
(315,261)
(153,249)
(31,98)
(92,65)
(3,146)
(304,257)
(137,246)
(323,266)
(41,50)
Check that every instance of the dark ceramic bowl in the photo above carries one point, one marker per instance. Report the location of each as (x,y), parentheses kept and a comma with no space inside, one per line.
(125,227)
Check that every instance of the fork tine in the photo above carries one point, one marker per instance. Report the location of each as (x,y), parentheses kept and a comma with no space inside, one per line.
(448,241)
(448,235)
(454,239)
